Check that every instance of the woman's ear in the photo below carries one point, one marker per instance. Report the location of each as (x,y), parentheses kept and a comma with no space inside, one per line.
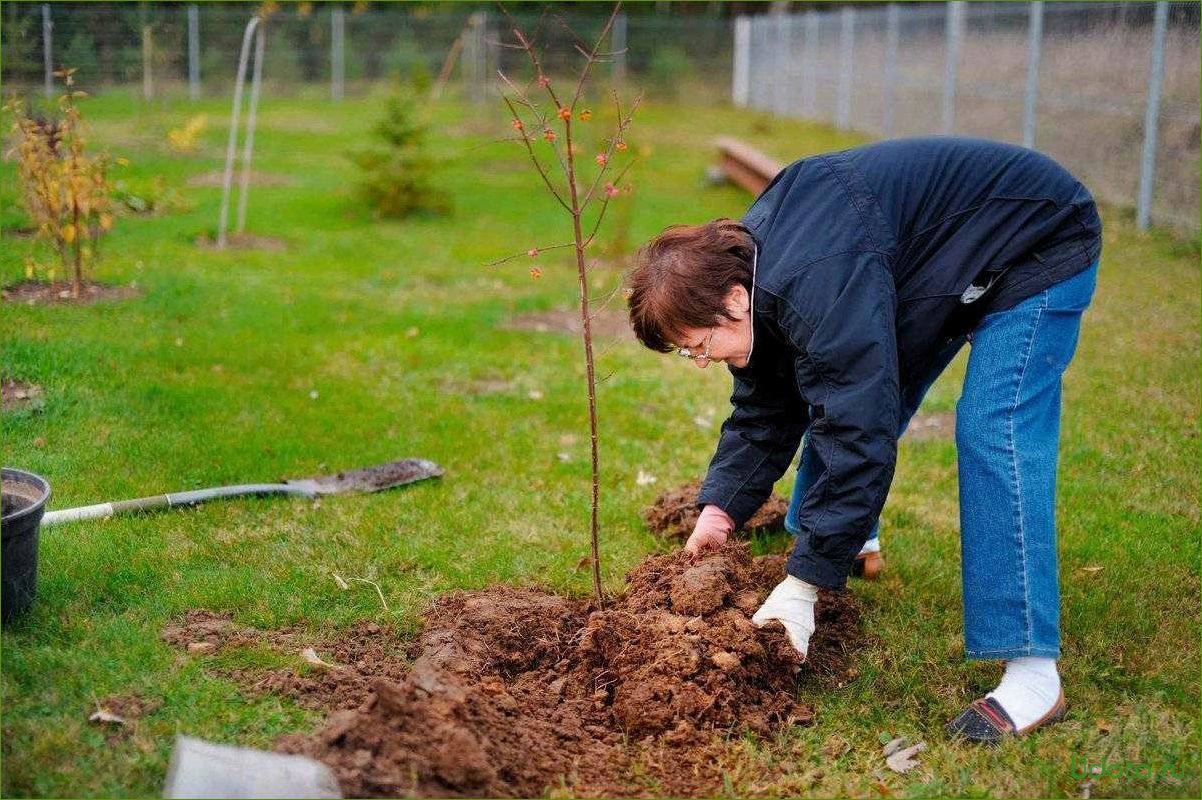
(738,303)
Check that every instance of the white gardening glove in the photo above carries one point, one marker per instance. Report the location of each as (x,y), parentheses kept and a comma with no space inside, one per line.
(712,528)
(791,604)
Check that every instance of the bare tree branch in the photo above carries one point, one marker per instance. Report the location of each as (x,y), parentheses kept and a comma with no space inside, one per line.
(538,250)
(592,56)
(533,158)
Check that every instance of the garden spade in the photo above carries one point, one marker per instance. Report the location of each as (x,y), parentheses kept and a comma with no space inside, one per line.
(368,479)
(206,769)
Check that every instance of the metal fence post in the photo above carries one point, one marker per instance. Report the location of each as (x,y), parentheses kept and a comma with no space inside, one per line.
(847,43)
(741,79)
(1147,164)
(337,51)
(809,77)
(193,52)
(147,60)
(474,57)
(780,62)
(1034,52)
(892,38)
(47,55)
(954,30)
(619,47)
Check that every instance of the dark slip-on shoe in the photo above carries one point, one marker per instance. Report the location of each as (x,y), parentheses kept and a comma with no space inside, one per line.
(868,565)
(986,721)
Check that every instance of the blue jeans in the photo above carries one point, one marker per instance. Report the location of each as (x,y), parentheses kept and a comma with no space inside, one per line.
(1007,442)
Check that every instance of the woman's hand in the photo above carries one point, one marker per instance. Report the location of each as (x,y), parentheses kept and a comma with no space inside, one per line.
(711,530)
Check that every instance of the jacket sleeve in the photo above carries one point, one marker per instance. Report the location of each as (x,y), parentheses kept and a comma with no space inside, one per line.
(840,314)
(756,446)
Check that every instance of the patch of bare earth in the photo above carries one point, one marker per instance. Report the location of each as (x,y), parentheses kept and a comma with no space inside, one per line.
(607,323)
(39,293)
(353,659)
(674,513)
(941,425)
(118,714)
(515,691)
(257,178)
(19,394)
(244,241)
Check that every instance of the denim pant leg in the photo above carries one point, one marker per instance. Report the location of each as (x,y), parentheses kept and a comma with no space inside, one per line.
(1007,442)
(807,472)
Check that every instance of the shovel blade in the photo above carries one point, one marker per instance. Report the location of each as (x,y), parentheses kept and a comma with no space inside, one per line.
(209,770)
(375,479)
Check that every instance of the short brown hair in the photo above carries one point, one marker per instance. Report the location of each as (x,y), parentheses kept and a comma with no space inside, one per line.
(680,279)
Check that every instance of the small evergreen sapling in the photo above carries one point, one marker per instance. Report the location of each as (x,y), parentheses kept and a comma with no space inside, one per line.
(399,174)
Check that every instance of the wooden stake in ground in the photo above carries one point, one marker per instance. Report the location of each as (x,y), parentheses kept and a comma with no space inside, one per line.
(526,114)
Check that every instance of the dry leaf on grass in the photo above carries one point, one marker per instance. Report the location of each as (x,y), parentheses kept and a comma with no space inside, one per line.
(901,759)
(1091,570)
(103,715)
(310,656)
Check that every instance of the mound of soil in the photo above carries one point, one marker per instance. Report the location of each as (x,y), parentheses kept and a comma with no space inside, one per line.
(674,513)
(37,293)
(516,691)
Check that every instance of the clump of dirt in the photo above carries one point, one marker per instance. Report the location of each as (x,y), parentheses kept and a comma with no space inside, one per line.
(606,323)
(514,691)
(19,394)
(129,706)
(674,513)
(40,293)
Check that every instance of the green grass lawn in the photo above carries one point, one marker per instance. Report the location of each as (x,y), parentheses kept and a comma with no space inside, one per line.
(364,341)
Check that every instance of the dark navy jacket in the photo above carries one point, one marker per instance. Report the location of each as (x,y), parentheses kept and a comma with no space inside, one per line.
(863,260)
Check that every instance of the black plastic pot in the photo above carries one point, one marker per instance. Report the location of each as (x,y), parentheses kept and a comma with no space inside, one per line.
(24,497)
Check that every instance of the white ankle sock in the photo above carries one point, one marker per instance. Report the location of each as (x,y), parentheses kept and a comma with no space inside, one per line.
(1029,689)
(873,545)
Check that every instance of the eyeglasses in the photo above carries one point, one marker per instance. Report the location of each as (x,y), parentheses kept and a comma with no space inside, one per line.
(685,352)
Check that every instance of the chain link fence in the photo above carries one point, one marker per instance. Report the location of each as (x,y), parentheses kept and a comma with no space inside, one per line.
(1075,80)
(1111,90)
(349,47)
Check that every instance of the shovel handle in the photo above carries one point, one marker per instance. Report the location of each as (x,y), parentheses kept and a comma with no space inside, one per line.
(190,498)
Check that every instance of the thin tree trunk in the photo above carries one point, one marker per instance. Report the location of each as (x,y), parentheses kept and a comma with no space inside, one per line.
(77,285)
(587,327)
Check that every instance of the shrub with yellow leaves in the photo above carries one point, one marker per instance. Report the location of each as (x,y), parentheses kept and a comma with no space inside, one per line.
(183,139)
(64,189)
